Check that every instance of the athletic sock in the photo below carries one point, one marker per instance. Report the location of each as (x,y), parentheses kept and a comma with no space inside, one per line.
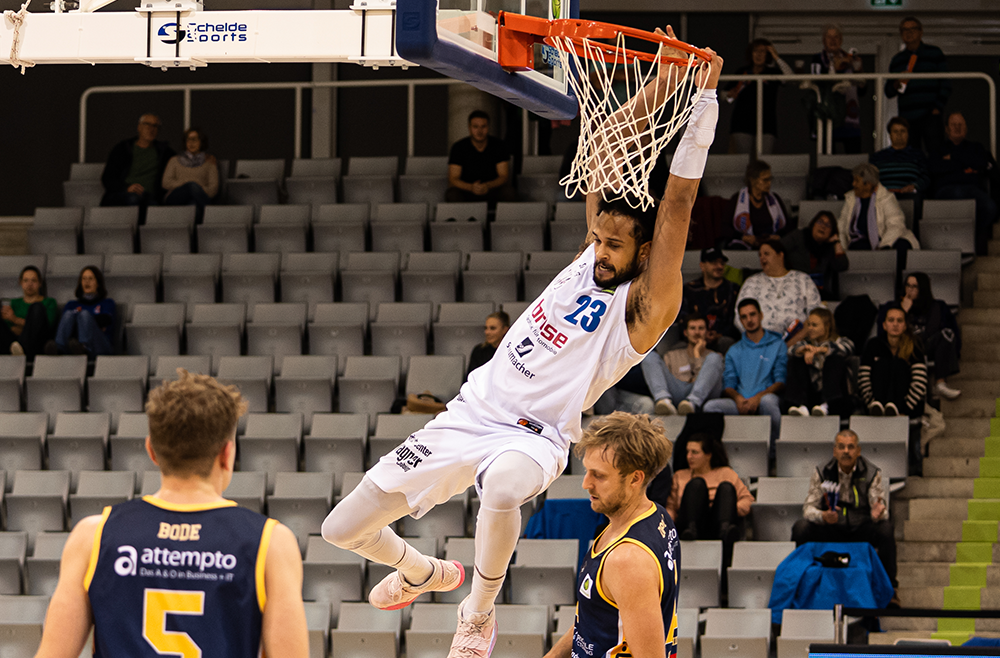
(484,593)
(387,548)
(496,537)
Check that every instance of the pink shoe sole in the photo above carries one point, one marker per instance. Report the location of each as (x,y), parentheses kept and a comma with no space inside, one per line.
(461,579)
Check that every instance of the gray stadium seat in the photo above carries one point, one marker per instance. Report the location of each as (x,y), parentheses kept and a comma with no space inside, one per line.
(271,445)
(118,384)
(13,549)
(724,174)
(373,166)
(110,230)
(460,235)
(191,279)
(943,267)
(492,276)
(517,236)
(746,439)
(752,572)
(21,618)
(687,632)
(128,446)
(570,211)
(568,234)
(318,626)
(805,442)
(331,575)
(249,278)
(544,571)
(11,381)
(98,489)
(55,231)
(167,230)
(419,188)
(56,384)
(541,267)
(316,167)
(248,489)
(308,278)
(401,329)
(871,273)
(463,551)
(365,632)
(369,385)
(368,189)
(339,329)
(79,443)
(301,501)
(426,165)
(22,436)
(431,276)
(391,430)
(541,187)
(37,503)
(306,385)
(442,375)
(737,632)
(276,329)
(778,507)
(155,330)
(252,375)
(884,441)
(336,444)
(311,190)
(701,574)
(225,232)
(133,277)
(791,174)
(216,330)
(800,628)
(370,277)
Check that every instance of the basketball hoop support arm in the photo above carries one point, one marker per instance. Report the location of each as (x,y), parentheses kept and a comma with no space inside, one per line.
(177,33)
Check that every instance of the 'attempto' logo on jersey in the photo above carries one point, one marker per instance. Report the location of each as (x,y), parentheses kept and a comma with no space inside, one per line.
(127,563)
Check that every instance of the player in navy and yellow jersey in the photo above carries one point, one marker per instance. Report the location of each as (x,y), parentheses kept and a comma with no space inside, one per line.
(183,572)
(627,586)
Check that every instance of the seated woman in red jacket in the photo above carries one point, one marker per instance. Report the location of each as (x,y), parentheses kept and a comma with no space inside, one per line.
(708,498)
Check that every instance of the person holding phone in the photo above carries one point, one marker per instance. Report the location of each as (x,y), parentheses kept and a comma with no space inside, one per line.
(816,250)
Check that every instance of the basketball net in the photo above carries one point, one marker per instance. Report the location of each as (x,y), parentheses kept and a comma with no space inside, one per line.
(621,140)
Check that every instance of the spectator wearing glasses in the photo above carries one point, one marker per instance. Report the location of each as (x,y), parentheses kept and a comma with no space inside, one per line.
(920,101)
(134,169)
(816,250)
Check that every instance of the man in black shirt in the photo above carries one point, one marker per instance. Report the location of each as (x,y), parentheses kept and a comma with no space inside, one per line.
(478,165)
(963,170)
(714,298)
(920,101)
(133,173)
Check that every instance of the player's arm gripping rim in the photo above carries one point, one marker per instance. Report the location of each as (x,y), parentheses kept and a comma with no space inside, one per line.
(655,295)
(630,578)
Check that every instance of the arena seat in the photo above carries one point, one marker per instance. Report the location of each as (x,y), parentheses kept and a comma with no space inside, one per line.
(313,181)
(461,235)
(167,230)
(191,279)
(271,445)
(150,483)
(572,211)
(943,267)
(331,575)
(370,277)
(277,330)
(540,187)
(56,384)
(63,272)
(529,629)
(365,632)
(110,230)
(55,231)
(492,276)
(522,211)
(871,273)
(701,574)
(339,329)
(133,279)
(118,384)
(98,489)
(252,375)
(387,165)
(13,550)
(949,225)
(390,431)
(440,374)
(316,167)
(79,443)
(250,278)
(687,632)
(21,619)
(461,212)
(22,437)
(401,329)
(336,444)
(339,237)
(369,385)
(423,188)
(543,571)
(512,235)
(318,627)
(459,327)
(752,572)
(248,489)
(567,486)
(128,446)
(884,441)
(778,506)
(463,551)
(155,330)
(800,628)
(82,193)
(309,278)
(306,385)
(368,189)
(746,633)
(166,367)
(791,175)
(37,503)
(804,443)
(724,174)
(567,234)
(746,440)
(430,276)
(282,228)
(540,267)
(301,501)
(216,330)
(11,381)
(225,230)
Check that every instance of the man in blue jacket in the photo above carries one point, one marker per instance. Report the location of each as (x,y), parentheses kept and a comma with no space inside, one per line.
(755,371)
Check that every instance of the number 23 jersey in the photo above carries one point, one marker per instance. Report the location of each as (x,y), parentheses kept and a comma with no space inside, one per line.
(567,348)
(179,580)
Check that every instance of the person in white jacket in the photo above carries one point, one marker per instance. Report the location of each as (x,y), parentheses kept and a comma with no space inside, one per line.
(872,219)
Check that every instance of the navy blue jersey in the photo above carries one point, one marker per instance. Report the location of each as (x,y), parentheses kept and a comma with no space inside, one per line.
(179,580)
(598,631)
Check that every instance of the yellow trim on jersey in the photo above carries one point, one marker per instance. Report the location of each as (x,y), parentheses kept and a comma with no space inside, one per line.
(619,540)
(95,549)
(265,542)
(187,507)
(652,508)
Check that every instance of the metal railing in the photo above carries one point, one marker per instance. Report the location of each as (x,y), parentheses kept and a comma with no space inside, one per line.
(411,85)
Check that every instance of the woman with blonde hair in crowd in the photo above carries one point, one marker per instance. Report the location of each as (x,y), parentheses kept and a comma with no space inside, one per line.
(817,366)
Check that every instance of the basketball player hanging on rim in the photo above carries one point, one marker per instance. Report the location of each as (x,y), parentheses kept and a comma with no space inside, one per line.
(509,430)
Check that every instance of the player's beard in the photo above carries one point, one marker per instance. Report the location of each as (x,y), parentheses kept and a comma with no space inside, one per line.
(611,504)
(619,276)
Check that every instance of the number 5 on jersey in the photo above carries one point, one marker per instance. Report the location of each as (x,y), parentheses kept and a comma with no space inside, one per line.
(157,604)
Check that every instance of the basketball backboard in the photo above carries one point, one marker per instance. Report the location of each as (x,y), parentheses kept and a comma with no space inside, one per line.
(458,38)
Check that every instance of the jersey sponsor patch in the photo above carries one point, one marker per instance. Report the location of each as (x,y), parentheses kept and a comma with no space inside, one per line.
(410,454)
(531,425)
(524,347)
(586,586)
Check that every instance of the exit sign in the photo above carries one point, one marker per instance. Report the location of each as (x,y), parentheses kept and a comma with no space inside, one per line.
(887,3)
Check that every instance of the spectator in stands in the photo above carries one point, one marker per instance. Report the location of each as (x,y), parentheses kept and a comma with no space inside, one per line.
(478,165)
(816,250)
(872,219)
(708,499)
(134,169)
(755,371)
(758,215)
(834,60)
(714,298)
(920,101)
(962,170)
(893,375)
(847,503)
(902,169)
(87,321)
(786,296)
(630,394)
(192,178)
(763,60)
(494,330)
(817,368)
(688,375)
(933,326)
(29,320)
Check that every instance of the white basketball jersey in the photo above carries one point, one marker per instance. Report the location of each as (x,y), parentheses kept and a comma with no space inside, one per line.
(567,348)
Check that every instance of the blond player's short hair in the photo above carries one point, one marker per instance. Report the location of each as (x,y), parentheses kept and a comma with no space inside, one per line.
(190,420)
(639,443)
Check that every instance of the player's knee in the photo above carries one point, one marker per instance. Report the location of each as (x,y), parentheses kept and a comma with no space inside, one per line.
(340,532)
